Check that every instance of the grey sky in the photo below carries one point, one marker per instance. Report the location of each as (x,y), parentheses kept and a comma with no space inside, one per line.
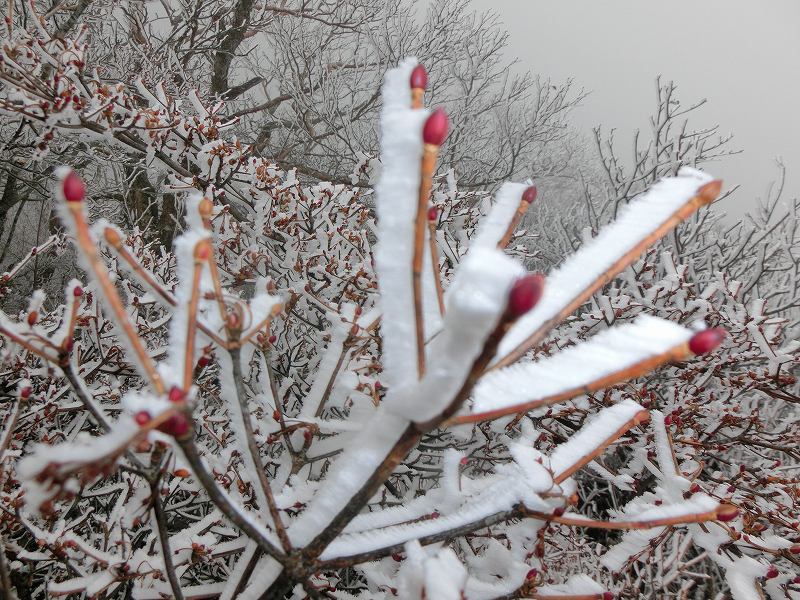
(743,55)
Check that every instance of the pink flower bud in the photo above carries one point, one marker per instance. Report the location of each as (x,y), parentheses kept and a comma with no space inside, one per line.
(435,130)
(706,341)
(525,294)
(73,188)
(419,78)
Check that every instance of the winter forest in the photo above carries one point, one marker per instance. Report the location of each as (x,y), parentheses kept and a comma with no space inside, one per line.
(325,300)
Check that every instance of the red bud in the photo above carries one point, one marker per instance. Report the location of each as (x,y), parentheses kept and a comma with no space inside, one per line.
(73,188)
(176,394)
(795,549)
(525,294)
(727,513)
(202,362)
(772,573)
(435,130)
(433,214)
(419,78)
(706,341)
(203,252)
(77,291)
(33,316)
(25,393)
(531,574)
(272,339)
(177,425)
(608,596)
(529,195)
(142,418)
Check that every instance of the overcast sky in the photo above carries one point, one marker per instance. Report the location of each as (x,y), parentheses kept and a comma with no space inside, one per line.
(743,55)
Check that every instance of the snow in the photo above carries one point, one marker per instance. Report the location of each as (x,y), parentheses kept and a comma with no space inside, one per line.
(568,282)
(576,585)
(172,369)
(493,226)
(592,435)
(610,351)
(326,369)
(475,301)
(496,499)
(348,473)
(741,577)
(396,203)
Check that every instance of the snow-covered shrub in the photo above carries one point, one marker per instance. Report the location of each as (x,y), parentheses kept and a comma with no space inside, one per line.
(249,415)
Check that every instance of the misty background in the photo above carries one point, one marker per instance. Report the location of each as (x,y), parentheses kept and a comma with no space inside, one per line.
(743,56)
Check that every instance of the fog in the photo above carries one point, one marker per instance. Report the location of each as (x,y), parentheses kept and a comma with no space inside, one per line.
(743,56)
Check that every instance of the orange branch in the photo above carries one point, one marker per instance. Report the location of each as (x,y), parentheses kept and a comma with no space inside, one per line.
(680,352)
(89,249)
(704,195)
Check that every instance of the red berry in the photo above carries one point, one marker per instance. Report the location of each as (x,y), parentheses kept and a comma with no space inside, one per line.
(668,420)
(272,339)
(433,213)
(142,418)
(202,362)
(33,316)
(608,596)
(435,130)
(558,511)
(525,294)
(796,580)
(73,188)
(529,195)
(694,488)
(795,549)
(531,574)
(25,393)
(706,341)
(77,291)
(419,78)
(176,394)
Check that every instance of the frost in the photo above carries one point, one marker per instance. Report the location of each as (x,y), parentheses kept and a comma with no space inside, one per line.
(396,192)
(570,370)
(577,273)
